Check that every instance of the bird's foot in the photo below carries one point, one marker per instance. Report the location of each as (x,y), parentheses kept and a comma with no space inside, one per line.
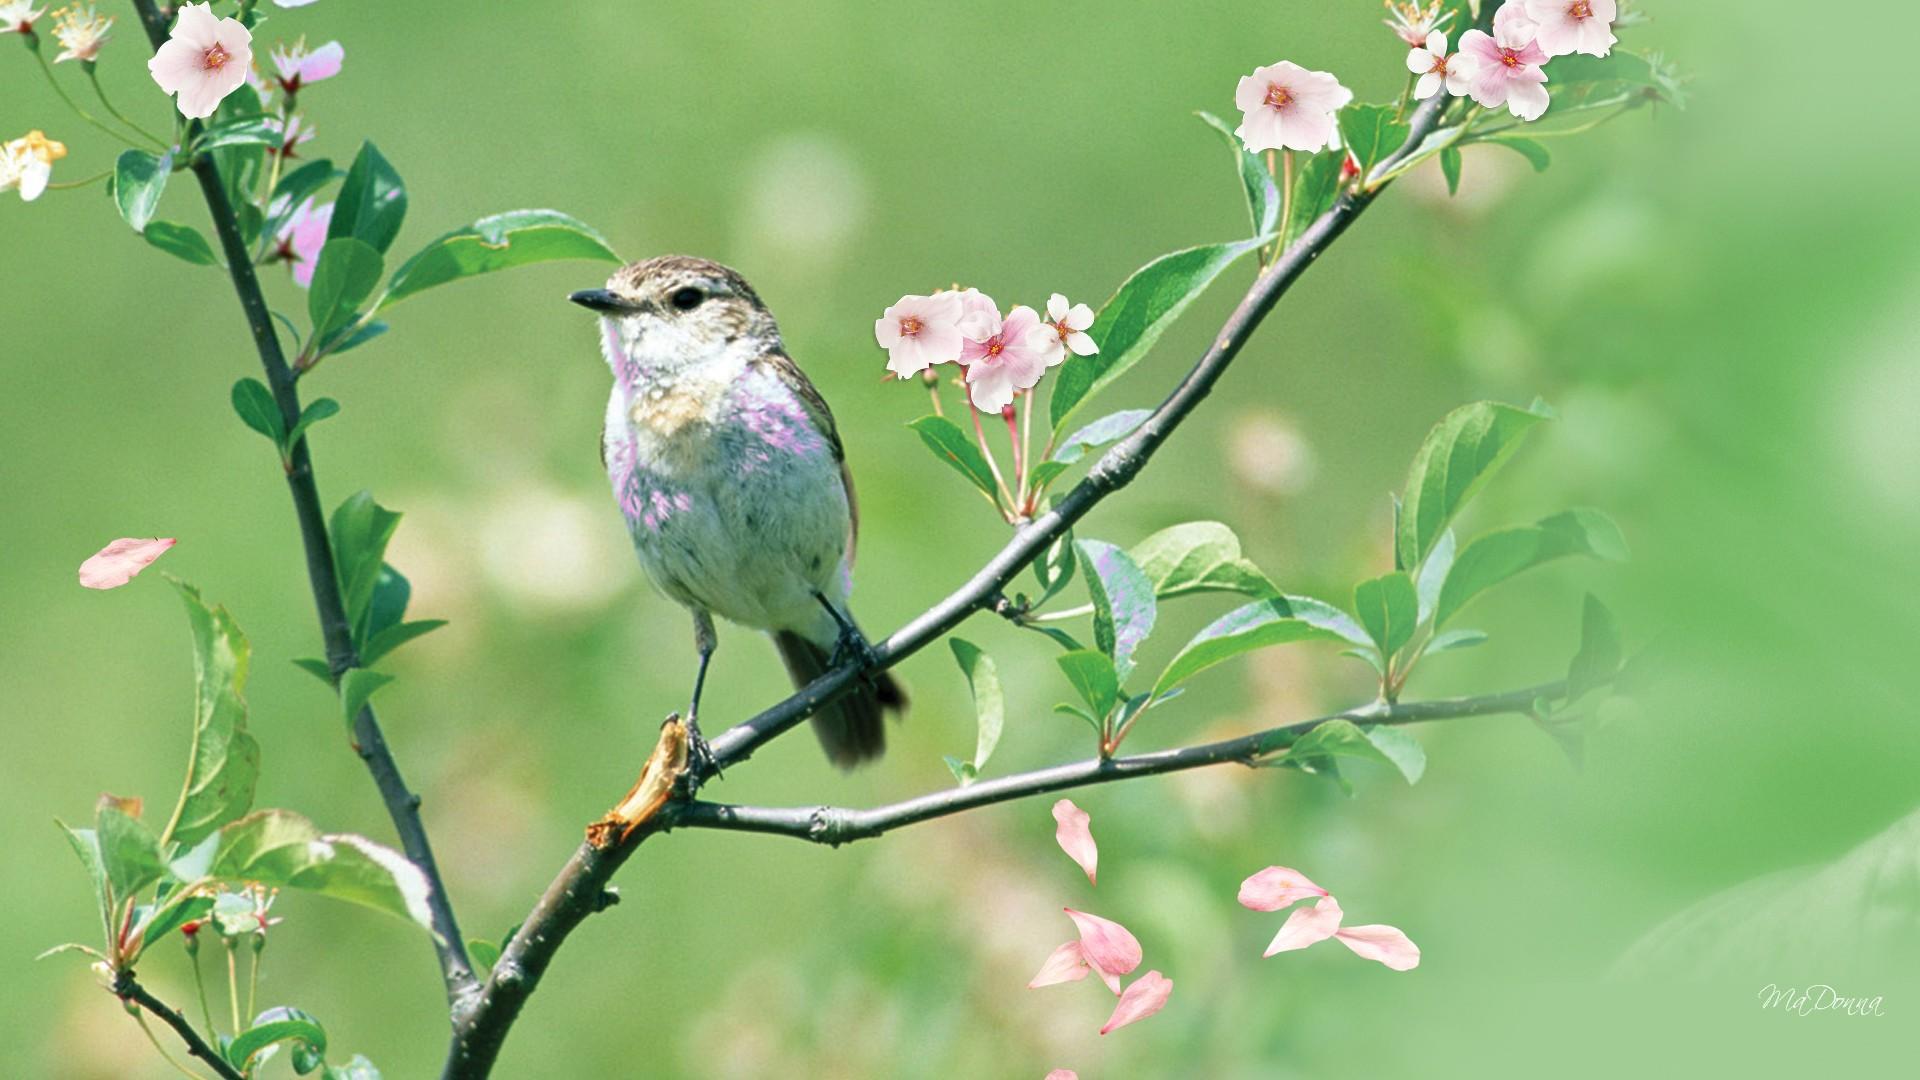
(851,646)
(701,761)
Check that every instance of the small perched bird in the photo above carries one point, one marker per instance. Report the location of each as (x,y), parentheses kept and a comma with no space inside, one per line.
(726,463)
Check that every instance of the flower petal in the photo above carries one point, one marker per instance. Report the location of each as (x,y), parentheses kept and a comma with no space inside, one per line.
(1065,964)
(1147,995)
(1075,837)
(1306,926)
(1057,307)
(1276,887)
(117,563)
(1063,1074)
(1106,944)
(1383,943)
(322,63)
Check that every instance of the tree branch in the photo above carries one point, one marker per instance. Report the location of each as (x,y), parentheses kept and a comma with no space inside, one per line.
(580,889)
(834,825)
(129,989)
(403,806)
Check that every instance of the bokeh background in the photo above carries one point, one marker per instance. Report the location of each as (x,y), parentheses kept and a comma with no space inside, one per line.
(1719,302)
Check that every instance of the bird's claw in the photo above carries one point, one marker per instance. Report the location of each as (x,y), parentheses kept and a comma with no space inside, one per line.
(852,647)
(701,760)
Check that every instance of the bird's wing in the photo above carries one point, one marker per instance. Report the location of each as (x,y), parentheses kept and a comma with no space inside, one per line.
(783,368)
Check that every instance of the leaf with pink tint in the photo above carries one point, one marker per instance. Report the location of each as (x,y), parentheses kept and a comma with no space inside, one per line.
(1075,837)
(117,563)
(1065,964)
(1147,995)
(1276,887)
(1106,944)
(1306,926)
(1383,943)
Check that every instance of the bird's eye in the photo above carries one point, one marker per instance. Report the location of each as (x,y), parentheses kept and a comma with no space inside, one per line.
(687,299)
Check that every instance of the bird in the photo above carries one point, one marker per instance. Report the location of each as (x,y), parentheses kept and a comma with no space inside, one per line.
(729,470)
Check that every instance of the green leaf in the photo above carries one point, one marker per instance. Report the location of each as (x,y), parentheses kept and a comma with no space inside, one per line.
(223,763)
(1093,678)
(1598,660)
(347,273)
(1384,745)
(319,409)
(356,689)
(1389,608)
(1316,185)
(989,702)
(1263,197)
(278,1025)
(86,845)
(181,242)
(952,446)
(1432,578)
(239,166)
(1456,639)
(239,131)
(1123,605)
(385,641)
(1242,630)
(500,242)
(1536,153)
(358,1068)
(1133,320)
(1199,556)
(1459,456)
(1081,714)
(281,849)
(315,667)
(1450,163)
(1497,556)
(372,203)
(296,187)
(483,953)
(1108,429)
(1580,77)
(1370,133)
(1324,616)
(255,405)
(157,923)
(391,591)
(963,771)
(129,851)
(362,333)
(139,179)
(361,529)
(1055,567)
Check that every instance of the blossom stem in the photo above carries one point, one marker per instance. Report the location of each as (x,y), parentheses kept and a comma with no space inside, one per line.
(233,987)
(993,466)
(93,76)
(89,181)
(1406,95)
(141,1019)
(933,391)
(1019,460)
(74,105)
(1286,201)
(200,984)
(1026,443)
(253,981)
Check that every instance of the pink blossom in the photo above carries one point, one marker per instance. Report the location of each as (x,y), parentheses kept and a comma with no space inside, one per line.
(1504,69)
(1512,18)
(81,32)
(17,16)
(297,67)
(1107,946)
(205,60)
(1436,69)
(1383,943)
(1063,1074)
(1286,106)
(1412,23)
(291,3)
(1277,887)
(1147,995)
(1075,837)
(919,332)
(302,237)
(117,563)
(1008,357)
(1071,322)
(1064,964)
(1570,26)
(978,314)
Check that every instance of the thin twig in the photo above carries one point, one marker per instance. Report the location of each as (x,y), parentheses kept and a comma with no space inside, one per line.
(578,890)
(129,989)
(835,825)
(403,806)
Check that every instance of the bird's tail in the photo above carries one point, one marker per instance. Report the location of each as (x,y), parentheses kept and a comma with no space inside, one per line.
(852,729)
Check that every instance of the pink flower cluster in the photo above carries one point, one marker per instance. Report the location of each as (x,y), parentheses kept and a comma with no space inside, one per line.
(205,59)
(1506,67)
(1004,356)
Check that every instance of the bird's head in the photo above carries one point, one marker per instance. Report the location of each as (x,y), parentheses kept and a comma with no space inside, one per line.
(673,312)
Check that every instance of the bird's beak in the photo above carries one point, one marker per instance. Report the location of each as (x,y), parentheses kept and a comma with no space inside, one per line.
(602,301)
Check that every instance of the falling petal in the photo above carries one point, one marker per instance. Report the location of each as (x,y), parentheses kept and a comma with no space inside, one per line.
(1147,995)
(1065,964)
(1306,926)
(1276,887)
(1106,944)
(1075,837)
(118,562)
(1063,1074)
(1383,943)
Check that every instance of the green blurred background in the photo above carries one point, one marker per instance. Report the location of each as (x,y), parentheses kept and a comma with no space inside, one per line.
(1719,302)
